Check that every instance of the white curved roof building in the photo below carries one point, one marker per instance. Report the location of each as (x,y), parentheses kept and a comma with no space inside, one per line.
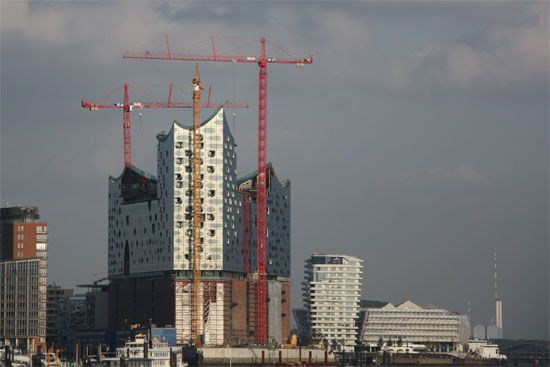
(436,327)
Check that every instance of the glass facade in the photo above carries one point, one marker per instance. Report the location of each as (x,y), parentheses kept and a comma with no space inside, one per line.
(23,285)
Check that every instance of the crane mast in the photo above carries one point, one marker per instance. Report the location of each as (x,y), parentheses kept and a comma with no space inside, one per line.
(127,127)
(261,198)
(197,209)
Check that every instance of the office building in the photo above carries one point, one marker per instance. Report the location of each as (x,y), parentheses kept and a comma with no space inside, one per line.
(439,329)
(301,319)
(71,318)
(97,305)
(331,293)
(55,294)
(23,278)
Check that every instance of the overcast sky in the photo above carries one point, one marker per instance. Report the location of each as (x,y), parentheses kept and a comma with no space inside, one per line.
(417,140)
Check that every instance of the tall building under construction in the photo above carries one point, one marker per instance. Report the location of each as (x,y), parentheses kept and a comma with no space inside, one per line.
(151,242)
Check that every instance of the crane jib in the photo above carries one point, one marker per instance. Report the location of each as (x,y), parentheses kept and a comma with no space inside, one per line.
(222,58)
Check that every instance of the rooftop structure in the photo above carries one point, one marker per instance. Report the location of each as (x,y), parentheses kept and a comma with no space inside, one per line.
(22,234)
(479,332)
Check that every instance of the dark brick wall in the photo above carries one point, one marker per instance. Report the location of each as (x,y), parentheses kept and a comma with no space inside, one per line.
(140,300)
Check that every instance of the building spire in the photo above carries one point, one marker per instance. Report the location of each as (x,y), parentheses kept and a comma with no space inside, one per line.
(496,277)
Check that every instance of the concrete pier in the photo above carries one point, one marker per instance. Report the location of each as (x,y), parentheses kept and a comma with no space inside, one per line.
(266,357)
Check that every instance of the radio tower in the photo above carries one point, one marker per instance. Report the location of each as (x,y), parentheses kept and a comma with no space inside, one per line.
(498,303)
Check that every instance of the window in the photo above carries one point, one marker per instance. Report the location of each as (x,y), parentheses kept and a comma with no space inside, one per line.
(210,216)
(210,169)
(211,153)
(212,233)
(188,153)
(211,193)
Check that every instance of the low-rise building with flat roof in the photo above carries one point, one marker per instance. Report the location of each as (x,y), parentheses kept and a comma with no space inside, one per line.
(437,328)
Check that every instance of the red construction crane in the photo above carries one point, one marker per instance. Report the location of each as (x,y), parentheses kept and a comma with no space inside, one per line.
(128,106)
(261,197)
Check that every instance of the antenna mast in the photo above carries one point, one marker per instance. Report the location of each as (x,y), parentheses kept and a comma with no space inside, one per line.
(498,302)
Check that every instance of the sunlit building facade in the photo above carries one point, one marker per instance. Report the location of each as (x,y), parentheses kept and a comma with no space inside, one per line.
(332,292)
(408,322)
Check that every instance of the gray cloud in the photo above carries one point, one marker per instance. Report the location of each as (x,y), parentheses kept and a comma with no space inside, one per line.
(462,177)
(504,57)
(418,140)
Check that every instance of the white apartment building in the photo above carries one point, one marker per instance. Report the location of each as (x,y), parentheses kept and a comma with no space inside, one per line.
(438,329)
(331,294)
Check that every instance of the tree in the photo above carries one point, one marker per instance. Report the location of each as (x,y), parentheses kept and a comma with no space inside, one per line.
(390,343)
(380,342)
(325,343)
(399,342)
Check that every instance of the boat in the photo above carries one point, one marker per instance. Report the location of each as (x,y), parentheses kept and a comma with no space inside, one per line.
(143,352)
